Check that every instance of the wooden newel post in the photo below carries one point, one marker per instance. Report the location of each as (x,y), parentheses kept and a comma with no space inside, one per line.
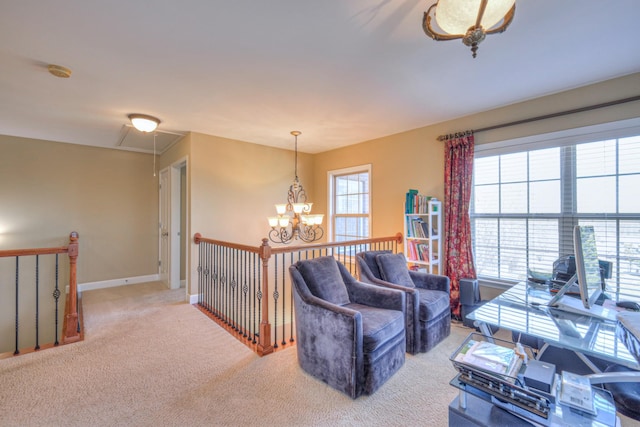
(264,343)
(70,329)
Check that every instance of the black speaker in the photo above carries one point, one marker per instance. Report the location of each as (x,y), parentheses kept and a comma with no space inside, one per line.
(469,292)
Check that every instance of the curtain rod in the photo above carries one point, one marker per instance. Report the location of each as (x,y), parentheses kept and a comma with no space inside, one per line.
(544,117)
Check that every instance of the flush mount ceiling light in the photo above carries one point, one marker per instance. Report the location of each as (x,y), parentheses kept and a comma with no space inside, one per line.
(469,20)
(143,122)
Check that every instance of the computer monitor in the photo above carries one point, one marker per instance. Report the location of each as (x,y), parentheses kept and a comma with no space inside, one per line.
(587,265)
(588,275)
(589,278)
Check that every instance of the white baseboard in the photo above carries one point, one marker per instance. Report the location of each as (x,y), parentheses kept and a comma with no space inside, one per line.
(193,299)
(89,286)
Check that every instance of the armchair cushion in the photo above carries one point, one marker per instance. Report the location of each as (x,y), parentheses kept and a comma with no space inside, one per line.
(378,326)
(393,268)
(324,280)
(371,262)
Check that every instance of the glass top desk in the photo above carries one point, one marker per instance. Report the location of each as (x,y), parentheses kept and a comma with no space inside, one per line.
(522,309)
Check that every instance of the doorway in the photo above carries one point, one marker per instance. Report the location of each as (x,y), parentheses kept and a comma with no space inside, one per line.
(173,225)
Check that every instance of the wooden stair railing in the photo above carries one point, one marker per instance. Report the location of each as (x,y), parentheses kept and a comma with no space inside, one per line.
(234,284)
(71,331)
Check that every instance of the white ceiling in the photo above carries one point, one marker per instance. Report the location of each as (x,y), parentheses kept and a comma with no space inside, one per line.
(340,71)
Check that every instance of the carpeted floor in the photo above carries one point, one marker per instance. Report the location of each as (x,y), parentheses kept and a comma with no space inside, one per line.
(150,359)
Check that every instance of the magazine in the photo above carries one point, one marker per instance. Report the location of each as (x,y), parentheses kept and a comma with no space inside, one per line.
(490,357)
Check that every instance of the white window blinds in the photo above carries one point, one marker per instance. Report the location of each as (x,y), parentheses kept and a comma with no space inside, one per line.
(527,198)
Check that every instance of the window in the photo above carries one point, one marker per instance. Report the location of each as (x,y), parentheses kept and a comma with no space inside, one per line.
(527,198)
(350,217)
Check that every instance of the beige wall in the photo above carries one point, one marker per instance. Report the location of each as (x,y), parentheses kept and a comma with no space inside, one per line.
(233,186)
(109,197)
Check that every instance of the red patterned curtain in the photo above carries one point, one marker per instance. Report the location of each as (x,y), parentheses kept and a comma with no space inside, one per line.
(457,226)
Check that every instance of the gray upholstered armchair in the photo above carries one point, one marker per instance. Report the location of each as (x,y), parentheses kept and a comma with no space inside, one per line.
(428,314)
(350,335)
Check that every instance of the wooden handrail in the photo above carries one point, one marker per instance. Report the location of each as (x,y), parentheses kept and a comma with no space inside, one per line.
(36,251)
(285,249)
(197,238)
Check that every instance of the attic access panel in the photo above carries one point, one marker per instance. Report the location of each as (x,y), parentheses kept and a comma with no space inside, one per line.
(135,140)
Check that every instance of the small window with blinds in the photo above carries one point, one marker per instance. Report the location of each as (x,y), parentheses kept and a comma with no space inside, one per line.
(349,203)
(526,201)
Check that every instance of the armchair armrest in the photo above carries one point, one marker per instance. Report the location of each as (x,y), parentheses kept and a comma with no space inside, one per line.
(430,281)
(376,296)
(380,282)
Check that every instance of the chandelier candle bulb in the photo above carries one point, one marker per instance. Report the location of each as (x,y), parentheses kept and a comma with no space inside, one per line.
(273,221)
(283,221)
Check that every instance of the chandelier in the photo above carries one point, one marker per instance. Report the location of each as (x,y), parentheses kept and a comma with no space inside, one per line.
(469,20)
(294,219)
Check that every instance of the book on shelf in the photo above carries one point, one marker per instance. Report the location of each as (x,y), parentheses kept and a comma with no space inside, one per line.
(418,251)
(418,227)
(492,358)
(410,201)
(416,203)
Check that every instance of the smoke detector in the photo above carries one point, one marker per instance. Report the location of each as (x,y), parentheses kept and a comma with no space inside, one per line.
(59,71)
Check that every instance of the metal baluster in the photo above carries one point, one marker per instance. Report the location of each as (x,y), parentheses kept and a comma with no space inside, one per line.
(206,277)
(275,303)
(211,278)
(237,292)
(250,299)
(235,295)
(217,267)
(37,347)
(259,295)
(17,312)
(203,277)
(225,306)
(199,270)
(284,299)
(291,299)
(206,290)
(256,273)
(56,296)
(234,291)
(217,279)
(245,290)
